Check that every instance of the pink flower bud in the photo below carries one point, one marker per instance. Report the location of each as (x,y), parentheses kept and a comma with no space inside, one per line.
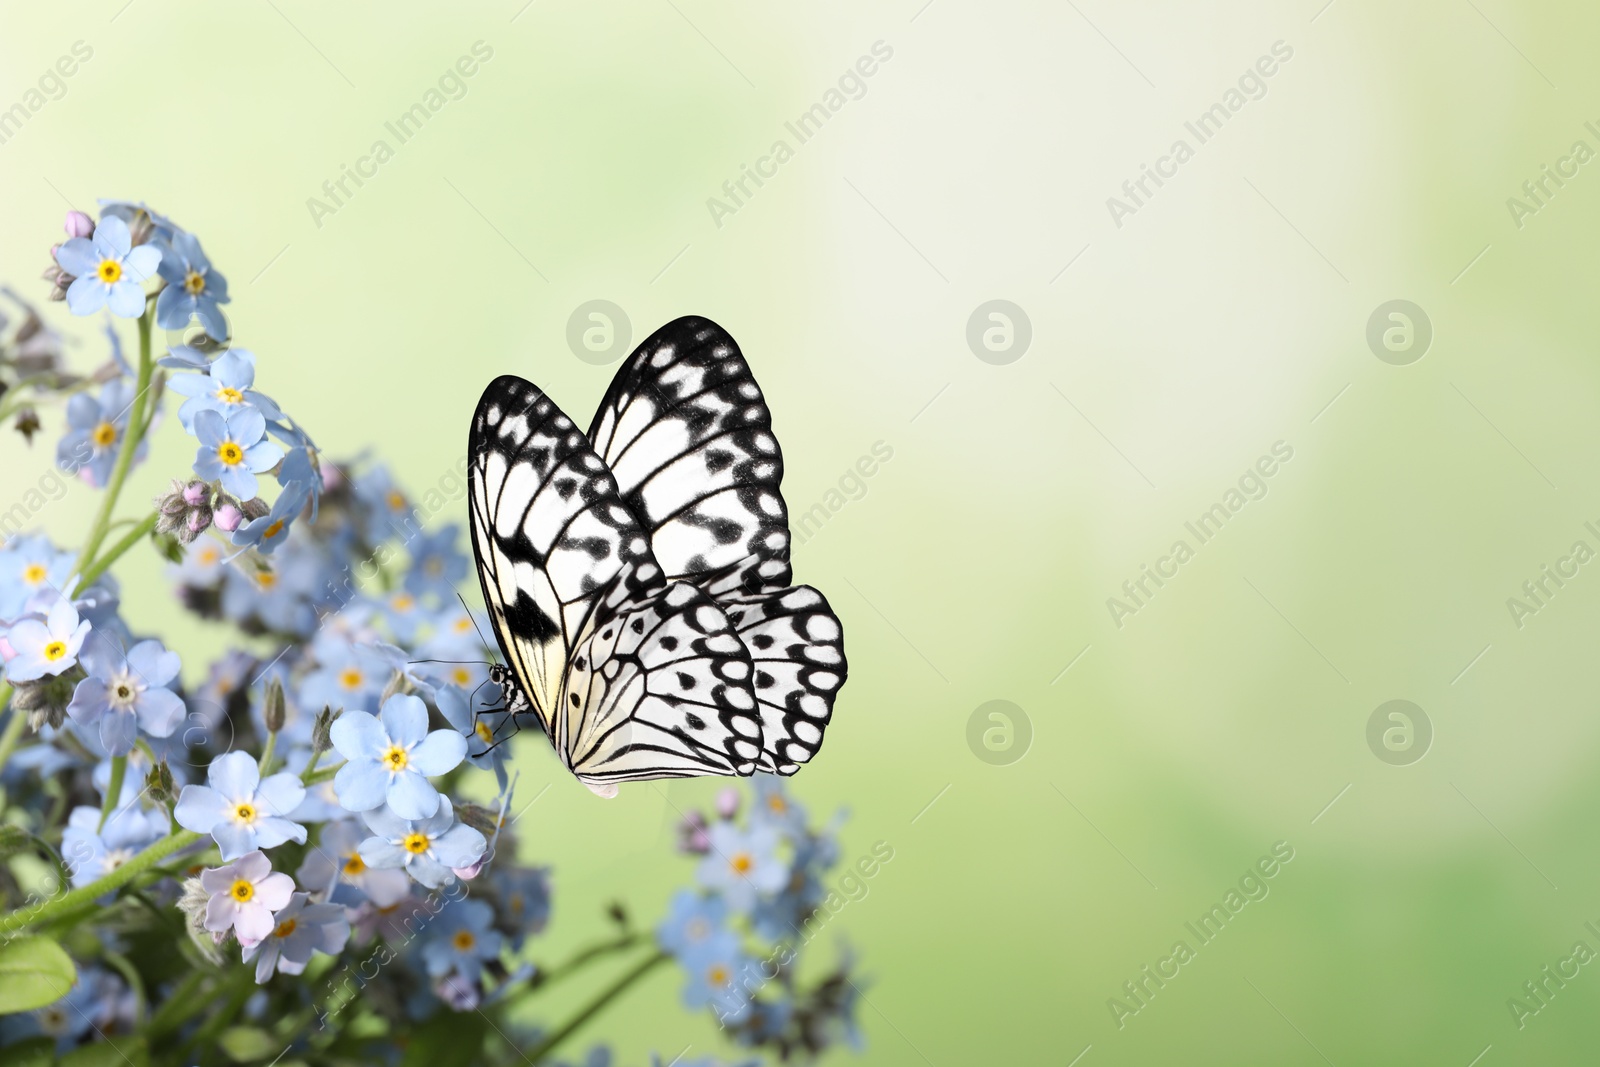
(228,517)
(198,521)
(196,493)
(727,803)
(78,225)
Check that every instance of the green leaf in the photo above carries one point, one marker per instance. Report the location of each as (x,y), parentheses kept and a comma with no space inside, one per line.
(247,1044)
(33,972)
(36,1052)
(447,1039)
(110,1052)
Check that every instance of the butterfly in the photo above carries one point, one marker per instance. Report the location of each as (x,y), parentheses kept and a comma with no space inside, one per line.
(637,576)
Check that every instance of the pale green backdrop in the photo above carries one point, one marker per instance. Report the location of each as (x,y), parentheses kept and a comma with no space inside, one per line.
(1226,313)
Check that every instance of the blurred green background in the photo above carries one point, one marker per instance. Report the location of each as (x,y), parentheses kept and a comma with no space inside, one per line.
(1227,313)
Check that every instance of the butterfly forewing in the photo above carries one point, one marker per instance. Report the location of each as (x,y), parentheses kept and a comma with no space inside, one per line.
(687,434)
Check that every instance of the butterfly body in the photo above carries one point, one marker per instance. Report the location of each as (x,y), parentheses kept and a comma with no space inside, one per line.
(637,576)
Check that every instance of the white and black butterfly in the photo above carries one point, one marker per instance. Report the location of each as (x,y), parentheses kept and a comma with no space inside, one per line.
(638,576)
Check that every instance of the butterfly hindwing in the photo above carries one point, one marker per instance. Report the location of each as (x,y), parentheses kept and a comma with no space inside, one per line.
(662,688)
(550,532)
(687,435)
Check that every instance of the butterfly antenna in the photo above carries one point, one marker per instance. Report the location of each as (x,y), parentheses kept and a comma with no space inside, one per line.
(469,662)
(472,620)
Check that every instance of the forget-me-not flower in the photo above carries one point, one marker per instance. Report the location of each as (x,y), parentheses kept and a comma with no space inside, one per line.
(391,756)
(95,430)
(91,851)
(193,288)
(336,863)
(244,894)
(301,929)
(127,693)
(108,270)
(241,810)
(232,450)
(46,646)
(267,532)
(461,939)
(742,863)
(430,850)
(29,565)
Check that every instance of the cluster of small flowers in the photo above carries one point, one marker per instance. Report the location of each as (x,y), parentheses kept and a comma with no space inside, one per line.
(760,876)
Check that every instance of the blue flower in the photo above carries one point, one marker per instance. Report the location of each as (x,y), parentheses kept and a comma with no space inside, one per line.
(430,850)
(91,851)
(108,270)
(388,508)
(47,646)
(350,677)
(127,693)
(202,566)
(436,565)
(298,470)
(523,896)
(302,928)
(30,565)
(335,866)
(742,864)
(692,920)
(717,970)
(193,288)
(389,758)
(239,809)
(223,386)
(267,533)
(243,896)
(461,939)
(456,707)
(90,447)
(774,807)
(232,450)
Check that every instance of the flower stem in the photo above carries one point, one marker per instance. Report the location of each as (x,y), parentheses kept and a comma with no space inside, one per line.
(130,445)
(595,1006)
(116,551)
(13,731)
(119,770)
(46,910)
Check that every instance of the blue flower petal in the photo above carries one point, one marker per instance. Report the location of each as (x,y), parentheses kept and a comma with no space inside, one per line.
(439,753)
(411,796)
(234,775)
(405,719)
(361,784)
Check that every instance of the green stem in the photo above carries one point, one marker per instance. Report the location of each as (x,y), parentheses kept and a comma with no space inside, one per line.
(13,731)
(46,910)
(116,551)
(544,976)
(130,445)
(244,984)
(119,771)
(595,1006)
(266,753)
(179,1006)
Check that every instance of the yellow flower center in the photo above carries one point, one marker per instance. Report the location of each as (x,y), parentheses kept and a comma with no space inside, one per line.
(354,864)
(109,271)
(274,530)
(484,733)
(209,554)
(741,863)
(698,929)
(242,891)
(228,395)
(35,573)
(395,759)
(403,602)
(266,579)
(230,453)
(245,811)
(463,624)
(396,501)
(718,975)
(194,283)
(416,843)
(285,928)
(350,678)
(777,803)
(103,435)
(55,650)
(463,940)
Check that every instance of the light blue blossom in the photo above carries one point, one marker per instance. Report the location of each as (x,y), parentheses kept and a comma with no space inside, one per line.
(193,288)
(301,929)
(773,806)
(243,896)
(430,850)
(335,865)
(127,693)
(390,757)
(692,920)
(522,896)
(91,851)
(349,677)
(717,970)
(202,566)
(268,532)
(223,386)
(741,864)
(96,428)
(232,450)
(240,810)
(299,471)
(461,939)
(483,752)
(108,271)
(46,646)
(436,565)
(29,565)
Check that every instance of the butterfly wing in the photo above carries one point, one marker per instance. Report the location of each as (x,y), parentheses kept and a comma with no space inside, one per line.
(686,433)
(594,633)
(550,532)
(689,438)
